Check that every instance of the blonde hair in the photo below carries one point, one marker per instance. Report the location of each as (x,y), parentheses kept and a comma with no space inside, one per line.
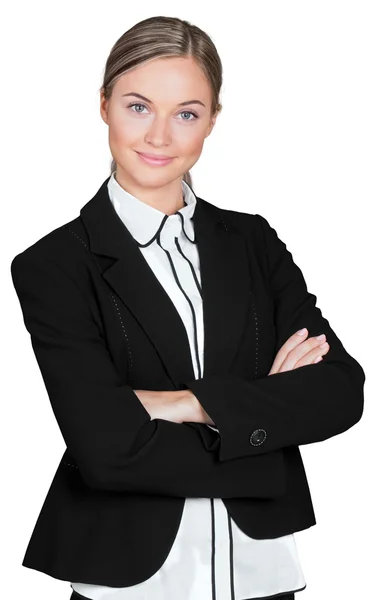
(158,37)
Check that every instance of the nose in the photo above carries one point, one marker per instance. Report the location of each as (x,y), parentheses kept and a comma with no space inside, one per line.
(158,133)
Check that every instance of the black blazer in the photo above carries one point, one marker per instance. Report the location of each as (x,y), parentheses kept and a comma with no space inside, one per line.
(102,325)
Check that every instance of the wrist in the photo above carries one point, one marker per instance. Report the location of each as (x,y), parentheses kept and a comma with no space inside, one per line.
(196,411)
(192,408)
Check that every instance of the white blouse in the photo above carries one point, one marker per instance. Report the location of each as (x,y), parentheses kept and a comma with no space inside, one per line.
(261,568)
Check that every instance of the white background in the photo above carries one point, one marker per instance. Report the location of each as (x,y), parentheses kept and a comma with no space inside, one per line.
(294,142)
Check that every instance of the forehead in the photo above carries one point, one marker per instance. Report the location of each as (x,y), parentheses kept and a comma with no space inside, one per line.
(167,80)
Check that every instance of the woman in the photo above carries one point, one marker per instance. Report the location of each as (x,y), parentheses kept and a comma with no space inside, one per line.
(157,319)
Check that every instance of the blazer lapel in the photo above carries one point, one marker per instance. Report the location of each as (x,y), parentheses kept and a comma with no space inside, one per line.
(224,277)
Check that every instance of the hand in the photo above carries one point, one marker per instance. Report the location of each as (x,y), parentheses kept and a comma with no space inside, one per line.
(297,352)
(176,406)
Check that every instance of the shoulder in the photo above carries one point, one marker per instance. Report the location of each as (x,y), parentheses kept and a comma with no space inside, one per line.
(261,237)
(64,246)
(253,226)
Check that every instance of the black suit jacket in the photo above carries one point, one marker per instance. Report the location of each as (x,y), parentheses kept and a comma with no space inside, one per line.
(102,325)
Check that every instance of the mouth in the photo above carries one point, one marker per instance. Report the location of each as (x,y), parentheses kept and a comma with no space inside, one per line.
(153,160)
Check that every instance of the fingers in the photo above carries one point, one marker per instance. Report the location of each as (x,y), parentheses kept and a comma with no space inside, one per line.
(292,342)
(314,355)
(305,353)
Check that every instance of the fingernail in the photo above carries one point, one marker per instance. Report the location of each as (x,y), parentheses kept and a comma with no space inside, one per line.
(320,337)
(301,331)
(318,359)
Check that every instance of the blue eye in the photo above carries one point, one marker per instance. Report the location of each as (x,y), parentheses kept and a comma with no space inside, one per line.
(188,112)
(135,104)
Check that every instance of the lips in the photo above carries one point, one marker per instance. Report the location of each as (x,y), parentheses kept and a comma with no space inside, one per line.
(155,156)
(155,161)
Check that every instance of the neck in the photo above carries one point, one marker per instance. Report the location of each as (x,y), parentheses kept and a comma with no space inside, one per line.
(167,199)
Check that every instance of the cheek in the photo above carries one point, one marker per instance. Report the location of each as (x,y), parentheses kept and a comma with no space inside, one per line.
(123,131)
(192,142)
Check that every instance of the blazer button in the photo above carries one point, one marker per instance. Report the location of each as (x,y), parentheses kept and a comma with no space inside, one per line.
(258,437)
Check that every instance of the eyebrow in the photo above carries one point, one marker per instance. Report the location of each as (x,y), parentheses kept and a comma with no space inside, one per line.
(150,101)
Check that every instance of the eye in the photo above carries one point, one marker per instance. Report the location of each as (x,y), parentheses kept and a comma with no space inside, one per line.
(185,112)
(188,112)
(135,104)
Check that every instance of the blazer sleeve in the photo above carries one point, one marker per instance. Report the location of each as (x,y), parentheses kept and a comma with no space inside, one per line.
(107,430)
(308,404)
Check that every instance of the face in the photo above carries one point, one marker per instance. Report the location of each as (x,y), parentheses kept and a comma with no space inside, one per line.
(160,125)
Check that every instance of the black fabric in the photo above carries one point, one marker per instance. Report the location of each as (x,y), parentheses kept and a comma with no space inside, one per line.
(102,326)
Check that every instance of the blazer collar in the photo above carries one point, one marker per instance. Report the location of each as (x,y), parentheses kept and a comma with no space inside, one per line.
(225,285)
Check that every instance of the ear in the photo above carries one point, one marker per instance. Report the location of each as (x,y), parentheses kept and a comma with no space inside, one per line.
(211,125)
(103,107)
